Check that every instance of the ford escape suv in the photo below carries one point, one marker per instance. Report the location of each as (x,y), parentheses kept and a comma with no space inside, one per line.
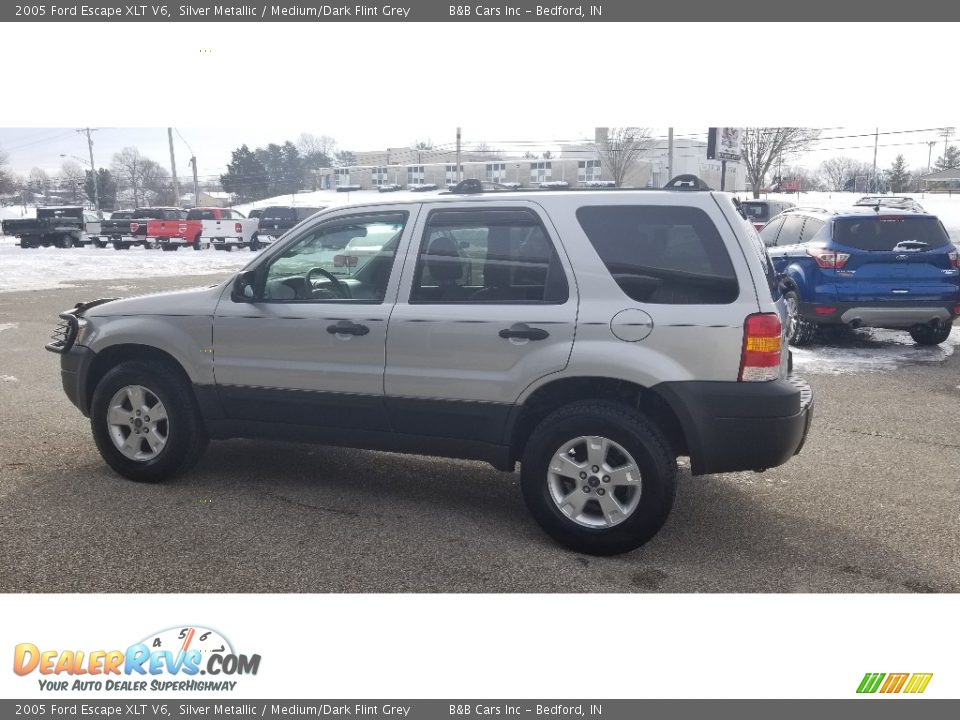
(594,337)
(866,267)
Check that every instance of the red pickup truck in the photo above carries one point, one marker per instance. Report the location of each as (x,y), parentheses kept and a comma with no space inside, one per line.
(169,231)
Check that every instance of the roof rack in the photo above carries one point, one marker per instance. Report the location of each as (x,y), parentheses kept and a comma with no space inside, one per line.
(473,186)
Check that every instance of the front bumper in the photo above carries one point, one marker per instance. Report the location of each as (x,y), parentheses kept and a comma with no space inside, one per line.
(894,314)
(734,426)
(74,370)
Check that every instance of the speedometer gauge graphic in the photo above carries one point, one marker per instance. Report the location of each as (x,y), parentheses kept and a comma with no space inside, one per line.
(182,639)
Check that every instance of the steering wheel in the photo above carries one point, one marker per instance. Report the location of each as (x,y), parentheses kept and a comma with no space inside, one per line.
(338,288)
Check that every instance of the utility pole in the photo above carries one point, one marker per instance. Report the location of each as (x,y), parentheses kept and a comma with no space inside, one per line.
(670,172)
(876,139)
(458,157)
(93,170)
(196,182)
(930,154)
(173,168)
(945,133)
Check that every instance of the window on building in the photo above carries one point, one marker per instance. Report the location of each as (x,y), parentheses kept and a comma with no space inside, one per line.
(378,176)
(343,176)
(451,176)
(540,172)
(497,172)
(415,175)
(588,171)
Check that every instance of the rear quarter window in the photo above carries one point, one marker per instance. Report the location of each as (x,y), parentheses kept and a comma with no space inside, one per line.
(662,254)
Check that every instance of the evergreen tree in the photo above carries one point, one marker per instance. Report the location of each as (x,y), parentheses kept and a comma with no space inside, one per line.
(950,159)
(246,176)
(106,186)
(898,176)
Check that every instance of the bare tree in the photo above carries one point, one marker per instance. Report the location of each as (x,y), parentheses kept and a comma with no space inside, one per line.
(156,183)
(74,177)
(764,146)
(128,169)
(38,181)
(837,172)
(324,145)
(7,184)
(620,149)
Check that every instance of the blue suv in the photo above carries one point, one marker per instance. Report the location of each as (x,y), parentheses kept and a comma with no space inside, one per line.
(869,267)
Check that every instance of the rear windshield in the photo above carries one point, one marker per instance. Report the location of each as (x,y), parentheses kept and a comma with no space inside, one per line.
(881,232)
(200,214)
(44,213)
(279,214)
(662,254)
(756,210)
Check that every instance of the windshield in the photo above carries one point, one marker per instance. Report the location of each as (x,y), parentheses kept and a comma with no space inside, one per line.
(885,233)
(755,211)
(279,215)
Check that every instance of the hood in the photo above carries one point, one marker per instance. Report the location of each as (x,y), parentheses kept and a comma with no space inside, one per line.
(178,302)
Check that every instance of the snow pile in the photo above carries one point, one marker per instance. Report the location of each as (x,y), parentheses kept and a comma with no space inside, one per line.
(43,268)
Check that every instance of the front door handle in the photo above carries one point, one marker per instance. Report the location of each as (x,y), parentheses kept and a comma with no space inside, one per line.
(524,331)
(345,327)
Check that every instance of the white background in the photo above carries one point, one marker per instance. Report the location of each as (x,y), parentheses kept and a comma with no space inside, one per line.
(496,77)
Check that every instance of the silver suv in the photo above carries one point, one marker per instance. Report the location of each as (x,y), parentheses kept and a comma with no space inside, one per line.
(594,337)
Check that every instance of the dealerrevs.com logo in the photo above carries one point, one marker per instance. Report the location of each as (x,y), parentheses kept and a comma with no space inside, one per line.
(172,659)
(893,683)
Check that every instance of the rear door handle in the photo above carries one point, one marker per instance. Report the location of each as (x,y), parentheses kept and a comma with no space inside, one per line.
(524,331)
(345,327)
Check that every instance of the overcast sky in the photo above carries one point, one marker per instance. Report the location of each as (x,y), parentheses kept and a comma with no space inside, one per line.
(43,147)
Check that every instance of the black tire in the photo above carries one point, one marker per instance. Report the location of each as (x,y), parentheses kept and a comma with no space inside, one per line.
(228,248)
(804,329)
(196,243)
(117,245)
(254,243)
(187,438)
(927,335)
(636,434)
(168,248)
(26,244)
(64,241)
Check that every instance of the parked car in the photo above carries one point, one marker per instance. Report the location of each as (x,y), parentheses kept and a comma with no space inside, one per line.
(897,202)
(61,227)
(222,229)
(169,232)
(277,219)
(760,212)
(874,267)
(125,229)
(255,213)
(594,337)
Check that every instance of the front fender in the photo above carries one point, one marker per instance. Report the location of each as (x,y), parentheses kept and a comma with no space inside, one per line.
(188,339)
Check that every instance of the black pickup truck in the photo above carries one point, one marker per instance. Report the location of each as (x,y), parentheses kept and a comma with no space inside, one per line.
(62,227)
(277,219)
(127,228)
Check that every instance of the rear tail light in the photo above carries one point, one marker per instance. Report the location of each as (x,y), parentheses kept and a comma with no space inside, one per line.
(825,310)
(238,228)
(954,259)
(956,309)
(760,361)
(345,261)
(759,225)
(828,258)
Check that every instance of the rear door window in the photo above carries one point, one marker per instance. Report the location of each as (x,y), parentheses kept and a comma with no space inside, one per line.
(770,232)
(891,232)
(662,254)
(810,228)
(756,211)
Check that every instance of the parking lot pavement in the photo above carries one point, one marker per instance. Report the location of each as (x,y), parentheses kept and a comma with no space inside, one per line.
(872,504)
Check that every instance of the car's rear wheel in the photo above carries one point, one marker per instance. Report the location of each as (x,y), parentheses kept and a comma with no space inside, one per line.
(196,243)
(145,422)
(599,477)
(931,335)
(800,330)
(65,241)
(254,243)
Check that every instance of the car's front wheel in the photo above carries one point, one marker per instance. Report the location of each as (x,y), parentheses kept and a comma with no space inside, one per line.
(145,422)
(931,335)
(599,477)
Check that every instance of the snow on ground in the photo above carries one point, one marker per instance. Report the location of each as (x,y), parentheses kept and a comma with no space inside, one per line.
(43,268)
(869,350)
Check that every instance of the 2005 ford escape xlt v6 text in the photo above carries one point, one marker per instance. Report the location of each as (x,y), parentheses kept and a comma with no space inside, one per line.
(594,337)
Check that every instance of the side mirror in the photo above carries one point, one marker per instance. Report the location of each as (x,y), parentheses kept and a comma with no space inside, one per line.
(244,289)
